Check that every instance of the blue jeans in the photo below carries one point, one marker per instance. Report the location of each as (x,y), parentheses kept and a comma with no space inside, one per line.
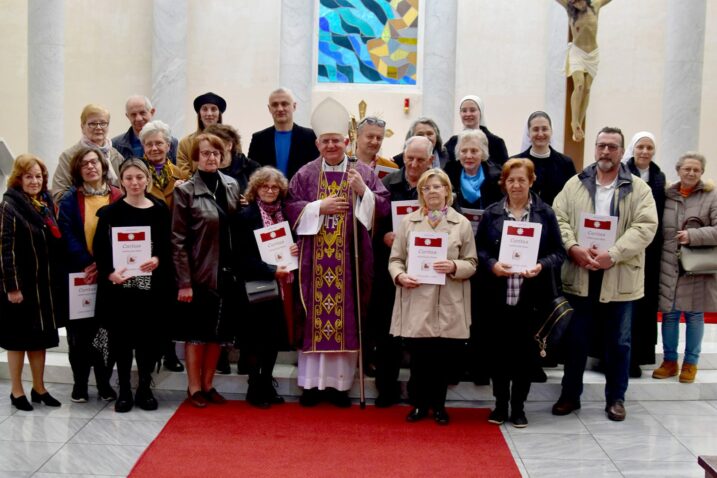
(615,318)
(695,322)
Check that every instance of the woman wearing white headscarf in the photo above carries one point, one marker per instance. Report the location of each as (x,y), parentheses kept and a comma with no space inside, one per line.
(639,157)
(472,111)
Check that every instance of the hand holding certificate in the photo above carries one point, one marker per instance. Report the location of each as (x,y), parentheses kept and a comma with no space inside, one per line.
(519,245)
(274,245)
(132,252)
(597,232)
(425,249)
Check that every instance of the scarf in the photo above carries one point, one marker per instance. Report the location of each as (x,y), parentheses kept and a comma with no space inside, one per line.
(105,148)
(87,190)
(470,185)
(40,203)
(270,213)
(160,174)
(434,217)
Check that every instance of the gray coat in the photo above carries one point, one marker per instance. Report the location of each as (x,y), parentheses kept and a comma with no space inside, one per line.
(694,293)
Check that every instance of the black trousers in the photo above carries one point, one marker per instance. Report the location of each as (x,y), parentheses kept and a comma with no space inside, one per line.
(83,356)
(432,360)
(513,353)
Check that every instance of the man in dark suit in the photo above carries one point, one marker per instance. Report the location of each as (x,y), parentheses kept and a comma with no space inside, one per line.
(286,145)
(139,112)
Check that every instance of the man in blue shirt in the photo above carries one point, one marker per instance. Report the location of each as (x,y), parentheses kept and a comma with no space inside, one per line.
(286,145)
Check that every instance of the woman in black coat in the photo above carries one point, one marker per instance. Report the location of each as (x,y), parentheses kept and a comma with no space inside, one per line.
(264,328)
(33,294)
(552,169)
(641,153)
(512,300)
(472,112)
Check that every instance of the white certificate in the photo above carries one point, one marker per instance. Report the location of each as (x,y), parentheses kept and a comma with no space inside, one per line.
(425,248)
(400,209)
(82,297)
(383,171)
(131,247)
(519,245)
(597,231)
(274,243)
(474,216)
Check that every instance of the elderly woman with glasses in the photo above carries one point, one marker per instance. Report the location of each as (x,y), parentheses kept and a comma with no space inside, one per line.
(32,284)
(95,124)
(91,190)
(428,128)
(434,320)
(156,139)
(264,328)
(204,266)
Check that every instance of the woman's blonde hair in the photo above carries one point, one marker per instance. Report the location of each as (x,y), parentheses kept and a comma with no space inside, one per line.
(442,177)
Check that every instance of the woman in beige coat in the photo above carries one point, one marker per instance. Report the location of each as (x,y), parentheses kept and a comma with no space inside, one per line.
(690,218)
(433,319)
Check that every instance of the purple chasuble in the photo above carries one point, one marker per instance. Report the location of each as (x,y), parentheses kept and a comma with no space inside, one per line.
(326,260)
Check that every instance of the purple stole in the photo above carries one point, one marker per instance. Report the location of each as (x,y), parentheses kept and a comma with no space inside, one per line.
(332,282)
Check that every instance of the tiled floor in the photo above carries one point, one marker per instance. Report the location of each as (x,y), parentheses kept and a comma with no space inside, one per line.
(658,439)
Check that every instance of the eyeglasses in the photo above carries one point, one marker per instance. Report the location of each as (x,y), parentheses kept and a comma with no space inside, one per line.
(209,154)
(89,162)
(610,147)
(687,169)
(266,187)
(154,144)
(98,124)
(435,187)
(372,120)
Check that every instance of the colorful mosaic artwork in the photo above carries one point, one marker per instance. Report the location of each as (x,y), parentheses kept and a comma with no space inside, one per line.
(368,41)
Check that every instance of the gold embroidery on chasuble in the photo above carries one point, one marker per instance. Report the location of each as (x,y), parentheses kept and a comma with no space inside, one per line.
(329,281)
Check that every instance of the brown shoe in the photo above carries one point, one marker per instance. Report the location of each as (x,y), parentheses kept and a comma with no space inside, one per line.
(616,411)
(688,373)
(667,369)
(565,407)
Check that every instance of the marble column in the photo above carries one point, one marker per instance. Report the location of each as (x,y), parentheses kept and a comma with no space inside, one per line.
(439,62)
(45,80)
(296,54)
(682,90)
(169,63)
(556,39)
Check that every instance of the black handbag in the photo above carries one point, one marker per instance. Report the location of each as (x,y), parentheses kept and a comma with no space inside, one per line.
(556,317)
(262,290)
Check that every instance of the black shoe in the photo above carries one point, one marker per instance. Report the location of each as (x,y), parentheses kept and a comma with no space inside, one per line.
(441,416)
(616,411)
(124,402)
(270,392)
(417,414)
(214,397)
(80,394)
(106,393)
(565,406)
(173,364)
(21,403)
(385,400)
(310,397)
(339,398)
(498,416)
(45,398)
(635,371)
(255,396)
(145,399)
(518,419)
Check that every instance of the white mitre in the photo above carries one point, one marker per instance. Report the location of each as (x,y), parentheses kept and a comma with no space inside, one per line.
(330,117)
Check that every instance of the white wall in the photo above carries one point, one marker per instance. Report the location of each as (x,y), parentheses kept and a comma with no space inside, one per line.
(233,49)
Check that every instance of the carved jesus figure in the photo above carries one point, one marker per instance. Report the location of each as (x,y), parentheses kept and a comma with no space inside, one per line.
(583,56)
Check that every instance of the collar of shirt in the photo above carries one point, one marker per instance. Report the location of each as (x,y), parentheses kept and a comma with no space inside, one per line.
(341,167)
(526,212)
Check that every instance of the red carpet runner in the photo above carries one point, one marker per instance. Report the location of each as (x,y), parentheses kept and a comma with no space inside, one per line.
(290,441)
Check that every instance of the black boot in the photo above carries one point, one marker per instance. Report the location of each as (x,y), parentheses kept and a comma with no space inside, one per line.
(124,402)
(256,393)
(144,397)
(270,391)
